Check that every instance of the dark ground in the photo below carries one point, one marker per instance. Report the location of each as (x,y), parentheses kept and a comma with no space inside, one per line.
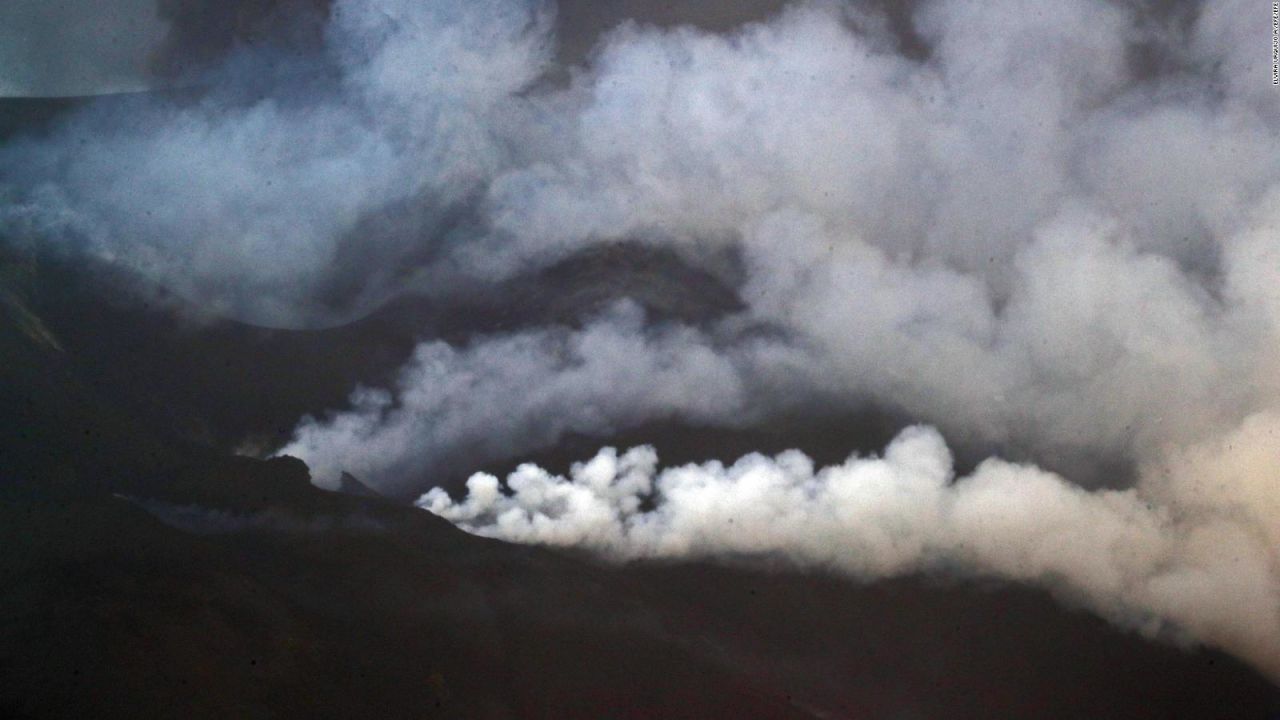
(150,573)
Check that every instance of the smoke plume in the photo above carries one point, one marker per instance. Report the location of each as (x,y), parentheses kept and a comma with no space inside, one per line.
(1189,551)
(520,393)
(1049,229)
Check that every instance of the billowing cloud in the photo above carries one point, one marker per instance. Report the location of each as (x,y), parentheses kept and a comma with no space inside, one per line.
(1191,550)
(1046,229)
(221,200)
(520,393)
(975,240)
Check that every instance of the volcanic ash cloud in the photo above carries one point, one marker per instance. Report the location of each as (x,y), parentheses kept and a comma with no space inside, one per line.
(1053,231)
(1191,551)
(1070,256)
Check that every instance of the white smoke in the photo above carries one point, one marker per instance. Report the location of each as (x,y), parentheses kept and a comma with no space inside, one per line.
(224,201)
(1022,240)
(954,237)
(520,393)
(1192,547)
(1028,239)
(1024,252)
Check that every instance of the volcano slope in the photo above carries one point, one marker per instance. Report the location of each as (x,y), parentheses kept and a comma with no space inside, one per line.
(150,572)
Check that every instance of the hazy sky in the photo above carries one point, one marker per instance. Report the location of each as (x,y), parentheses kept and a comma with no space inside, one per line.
(75,47)
(79,47)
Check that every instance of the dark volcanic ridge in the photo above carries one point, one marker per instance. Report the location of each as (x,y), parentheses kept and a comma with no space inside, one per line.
(223,585)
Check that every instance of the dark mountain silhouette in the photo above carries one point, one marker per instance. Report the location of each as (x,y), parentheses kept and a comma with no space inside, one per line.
(225,383)
(149,574)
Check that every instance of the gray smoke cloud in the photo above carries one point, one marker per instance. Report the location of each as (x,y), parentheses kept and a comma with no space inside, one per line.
(76,47)
(1053,228)
(522,392)
(220,200)
(1054,253)
(997,246)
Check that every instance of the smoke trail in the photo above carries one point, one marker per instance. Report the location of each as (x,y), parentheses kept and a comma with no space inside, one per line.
(1191,549)
(1048,228)
(519,393)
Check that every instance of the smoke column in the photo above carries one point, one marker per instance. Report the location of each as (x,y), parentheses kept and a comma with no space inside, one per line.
(1048,228)
(1190,552)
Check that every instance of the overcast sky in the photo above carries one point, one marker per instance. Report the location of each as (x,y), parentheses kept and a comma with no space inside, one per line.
(75,47)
